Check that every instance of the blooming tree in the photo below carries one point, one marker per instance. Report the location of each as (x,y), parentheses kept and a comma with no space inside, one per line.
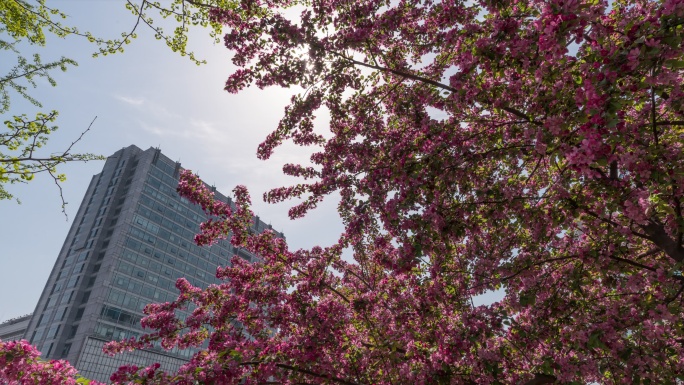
(530,147)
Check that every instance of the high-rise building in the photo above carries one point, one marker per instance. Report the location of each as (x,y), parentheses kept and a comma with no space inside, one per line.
(131,239)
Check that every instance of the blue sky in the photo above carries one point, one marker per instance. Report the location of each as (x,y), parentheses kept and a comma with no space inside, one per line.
(147,96)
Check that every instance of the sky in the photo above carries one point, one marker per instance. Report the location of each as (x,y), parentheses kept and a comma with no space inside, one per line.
(150,97)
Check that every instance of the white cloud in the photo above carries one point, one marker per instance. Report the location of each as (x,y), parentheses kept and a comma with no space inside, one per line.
(131,100)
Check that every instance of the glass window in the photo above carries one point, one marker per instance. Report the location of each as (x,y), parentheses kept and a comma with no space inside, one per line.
(134,287)
(66,298)
(51,302)
(125,268)
(57,287)
(140,273)
(63,313)
(73,281)
(53,331)
(79,268)
(47,349)
(147,291)
(121,281)
(65,350)
(83,256)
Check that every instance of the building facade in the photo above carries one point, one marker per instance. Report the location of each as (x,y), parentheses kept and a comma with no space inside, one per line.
(15,328)
(131,239)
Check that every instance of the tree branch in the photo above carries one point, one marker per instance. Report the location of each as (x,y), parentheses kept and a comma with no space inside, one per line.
(656,233)
(431,82)
(540,379)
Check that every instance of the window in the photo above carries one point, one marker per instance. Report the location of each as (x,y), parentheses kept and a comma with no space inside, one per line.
(65,350)
(57,287)
(50,302)
(148,291)
(47,349)
(79,314)
(67,297)
(121,281)
(73,281)
(53,331)
(79,268)
(83,256)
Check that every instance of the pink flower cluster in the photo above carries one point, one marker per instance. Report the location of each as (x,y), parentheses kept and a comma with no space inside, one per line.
(510,178)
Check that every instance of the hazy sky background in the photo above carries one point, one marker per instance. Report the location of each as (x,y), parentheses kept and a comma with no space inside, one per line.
(147,96)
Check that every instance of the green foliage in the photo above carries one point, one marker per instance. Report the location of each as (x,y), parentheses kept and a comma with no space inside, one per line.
(20,142)
(186,13)
(28,23)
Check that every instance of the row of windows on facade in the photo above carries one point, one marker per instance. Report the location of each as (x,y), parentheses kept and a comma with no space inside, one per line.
(167,194)
(168,175)
(67,297)
(119,316)
(144,249)
(167,205)
(134,302)
(158,197)
(55,316)
(168,266)
(168,184)
(157,225)
(74,276)
(51,334)
(111,188)
(135,287)
(117,333)
(176,260)
(97,365)
(168,253)
(169,283)
(182,238)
